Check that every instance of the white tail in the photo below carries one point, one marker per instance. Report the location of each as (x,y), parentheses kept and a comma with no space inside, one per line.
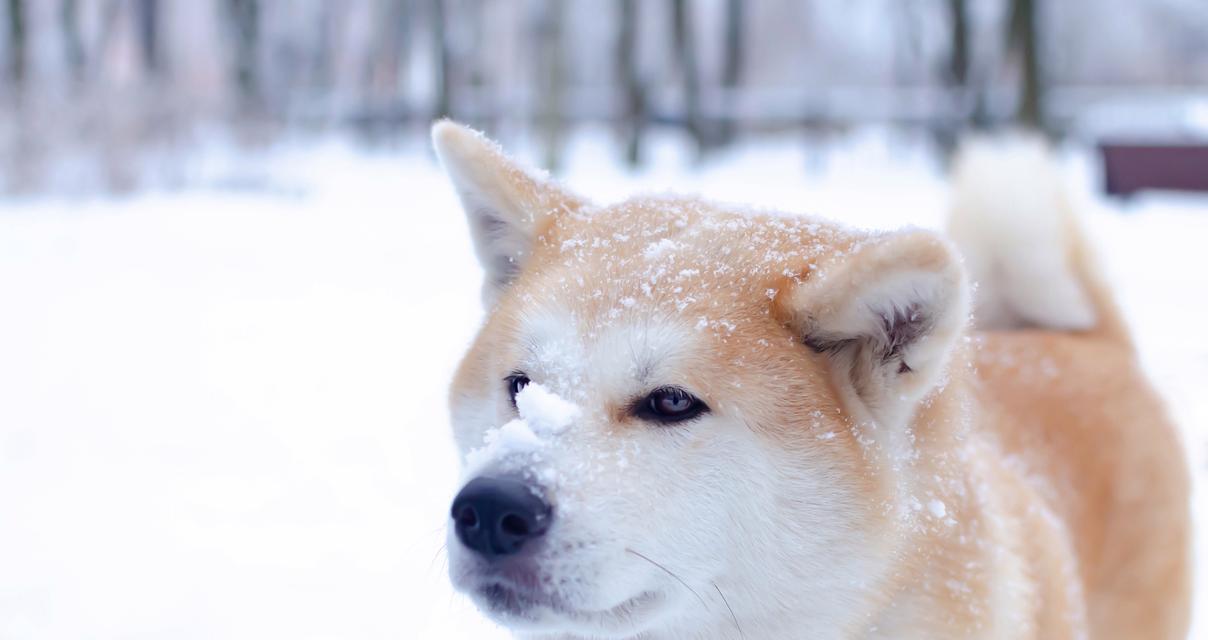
(1022,244)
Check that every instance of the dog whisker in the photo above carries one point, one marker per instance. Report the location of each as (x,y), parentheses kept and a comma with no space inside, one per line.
(673,575)
(421,539)
(731,610)
(443,547)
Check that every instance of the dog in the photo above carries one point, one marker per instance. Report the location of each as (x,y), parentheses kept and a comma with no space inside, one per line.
(685,420)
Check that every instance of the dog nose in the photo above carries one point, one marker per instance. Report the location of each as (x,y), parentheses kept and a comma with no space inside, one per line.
(495,517)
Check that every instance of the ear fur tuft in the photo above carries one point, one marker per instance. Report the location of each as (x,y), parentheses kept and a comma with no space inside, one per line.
(887,314)
(506,207)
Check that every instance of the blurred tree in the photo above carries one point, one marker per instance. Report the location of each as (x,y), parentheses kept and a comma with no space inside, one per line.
(731,72)
(686,59)
(552,78)
(108,31)
(1024,41)
(958,60)
(386,63)
(73,41)
(441,59)
(17,37)
(398,40)
(475,67)
(956,75)
(634,93)
(147,12)
(709,70)
(245,22)
(320,49)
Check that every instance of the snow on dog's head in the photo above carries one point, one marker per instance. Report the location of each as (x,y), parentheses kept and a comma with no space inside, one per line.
(677,413)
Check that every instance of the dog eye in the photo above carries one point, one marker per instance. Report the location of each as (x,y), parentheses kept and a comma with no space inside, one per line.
(670,404)
(516,381)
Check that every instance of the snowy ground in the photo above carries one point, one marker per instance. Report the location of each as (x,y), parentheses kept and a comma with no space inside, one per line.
(222,412)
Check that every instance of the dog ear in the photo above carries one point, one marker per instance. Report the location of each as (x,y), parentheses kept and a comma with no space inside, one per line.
(507,207)
(887,313)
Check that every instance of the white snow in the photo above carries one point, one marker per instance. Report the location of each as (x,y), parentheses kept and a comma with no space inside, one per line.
(513,438)
(543,414)
(656,249)
(223,414)
(545,411)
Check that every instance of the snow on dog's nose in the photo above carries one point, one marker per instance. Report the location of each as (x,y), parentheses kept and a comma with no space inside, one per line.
(503,506)
(516,446)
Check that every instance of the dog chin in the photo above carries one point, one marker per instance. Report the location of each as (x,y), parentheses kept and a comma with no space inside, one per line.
(534,613)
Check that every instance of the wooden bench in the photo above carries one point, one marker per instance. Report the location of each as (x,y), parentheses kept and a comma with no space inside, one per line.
(1132,167)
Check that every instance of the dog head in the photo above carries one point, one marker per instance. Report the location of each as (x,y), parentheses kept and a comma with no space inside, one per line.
(683,416)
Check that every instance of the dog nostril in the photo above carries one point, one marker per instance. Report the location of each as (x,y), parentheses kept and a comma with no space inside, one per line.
(513,524)
(495,517)
(467,518)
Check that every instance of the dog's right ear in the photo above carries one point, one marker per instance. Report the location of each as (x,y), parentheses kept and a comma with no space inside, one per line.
(887,313)
(507,207)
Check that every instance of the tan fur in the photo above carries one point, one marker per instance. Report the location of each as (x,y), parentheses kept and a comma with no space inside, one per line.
(1107,462)
(1063,486)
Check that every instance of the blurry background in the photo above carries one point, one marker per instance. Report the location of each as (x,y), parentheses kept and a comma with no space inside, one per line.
(234,283)
(116,94)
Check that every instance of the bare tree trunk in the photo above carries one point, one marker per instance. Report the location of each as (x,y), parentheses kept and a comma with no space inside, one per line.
(400,21)
(956,109)
(73,41)
(958,61)
(398,45)
(442,59)
(631,81)
(148,12)
(1024,39)
(111,14)
(731,72)
(550,116)
(969,90)
(475,79)
(330,24)
(17,37)
(383,100)
(245,22)
(685,50)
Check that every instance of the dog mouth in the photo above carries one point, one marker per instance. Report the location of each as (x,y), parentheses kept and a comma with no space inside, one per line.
(523,608)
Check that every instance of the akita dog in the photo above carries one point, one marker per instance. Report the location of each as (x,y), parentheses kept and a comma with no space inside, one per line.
(683,420)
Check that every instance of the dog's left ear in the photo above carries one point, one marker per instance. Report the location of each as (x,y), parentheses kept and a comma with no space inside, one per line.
(887,313)
(507,207)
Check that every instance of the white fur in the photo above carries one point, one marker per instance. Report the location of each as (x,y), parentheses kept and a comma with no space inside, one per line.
(708,530)
(1011,221)
(505,210)
(707,502)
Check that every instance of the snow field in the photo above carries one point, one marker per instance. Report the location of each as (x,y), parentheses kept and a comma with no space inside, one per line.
(222,414)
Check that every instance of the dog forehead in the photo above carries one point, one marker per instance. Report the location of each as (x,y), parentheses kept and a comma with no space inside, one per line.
(676,252)
(571,352)
(656,288)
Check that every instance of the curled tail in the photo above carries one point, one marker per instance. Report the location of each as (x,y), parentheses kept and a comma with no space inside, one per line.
(1023,245)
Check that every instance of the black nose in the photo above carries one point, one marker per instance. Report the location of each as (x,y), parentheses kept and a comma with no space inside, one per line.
(495,517)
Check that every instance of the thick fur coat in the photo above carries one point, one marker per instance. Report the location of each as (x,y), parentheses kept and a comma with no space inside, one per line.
(871,464)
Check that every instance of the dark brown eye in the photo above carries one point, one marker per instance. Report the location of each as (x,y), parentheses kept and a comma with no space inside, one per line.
(670,404)
(516,381)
